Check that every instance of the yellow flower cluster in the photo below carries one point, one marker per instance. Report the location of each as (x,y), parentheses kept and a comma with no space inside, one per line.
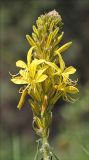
(45,77)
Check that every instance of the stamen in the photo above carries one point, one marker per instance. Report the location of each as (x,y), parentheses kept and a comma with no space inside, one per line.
(21,89)
(71,82)
(13,75)
(26,87)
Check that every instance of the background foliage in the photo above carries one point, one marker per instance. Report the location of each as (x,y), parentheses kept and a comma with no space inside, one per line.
(70,127)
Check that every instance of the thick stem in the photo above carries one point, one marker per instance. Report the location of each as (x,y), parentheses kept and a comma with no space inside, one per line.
(45,147)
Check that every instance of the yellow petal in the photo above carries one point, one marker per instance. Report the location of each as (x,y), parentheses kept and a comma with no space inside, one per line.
(29,54)
(65,78)
(24,74)
(41,78)
(60,87)
(63,48)
(19,80)
(40,72)
(33,66)
(57,73)
(69,70)
(71,89)
(21,64)
(53,65)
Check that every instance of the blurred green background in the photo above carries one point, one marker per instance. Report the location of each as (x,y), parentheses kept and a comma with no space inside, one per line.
(70,127)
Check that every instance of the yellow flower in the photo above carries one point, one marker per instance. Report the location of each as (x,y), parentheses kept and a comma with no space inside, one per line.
(65,90)
(29,75)
(65,71)
(66,86)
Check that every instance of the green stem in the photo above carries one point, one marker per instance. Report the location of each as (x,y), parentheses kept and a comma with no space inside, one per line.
(45,147)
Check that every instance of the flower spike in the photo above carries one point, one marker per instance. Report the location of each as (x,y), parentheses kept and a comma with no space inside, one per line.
(45,78)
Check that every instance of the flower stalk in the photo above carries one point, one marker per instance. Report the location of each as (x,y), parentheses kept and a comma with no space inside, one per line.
(45,148)
(45,76)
